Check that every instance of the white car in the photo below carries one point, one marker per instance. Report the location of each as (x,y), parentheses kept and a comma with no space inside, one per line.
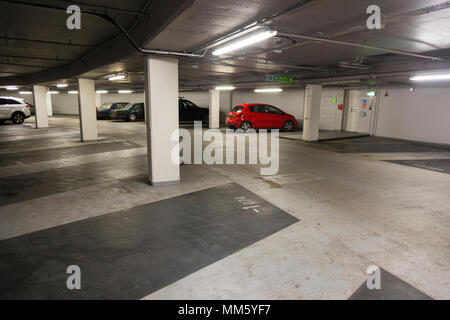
(14,109)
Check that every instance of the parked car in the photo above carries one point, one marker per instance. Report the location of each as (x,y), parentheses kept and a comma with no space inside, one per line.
(32,108)
(104,112)
(131,112)
(14,109)
(260,116)
(189,111)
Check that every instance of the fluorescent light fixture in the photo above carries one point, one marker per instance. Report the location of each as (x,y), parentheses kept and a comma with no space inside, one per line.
(225,88)
(119,77)
(268,90)
(250,28)
(62,85)
(431,77)
(252,39)
(125,91)
(53,92)
(73,92)
(371,93)
(11,88)
(25,92)
(251,25)
(102,91)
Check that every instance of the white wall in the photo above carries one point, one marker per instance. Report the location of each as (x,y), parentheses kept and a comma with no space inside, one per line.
(290,100)
(422,115)
(26,97)
(330,115)
(200,98)
(64,103)
(122,97)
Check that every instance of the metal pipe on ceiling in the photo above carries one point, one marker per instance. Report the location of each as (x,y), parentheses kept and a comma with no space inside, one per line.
(112,9)
(111,20)
(358,45)
(33,58)
(143,50)
(52,42)
(368,76)
(22,65)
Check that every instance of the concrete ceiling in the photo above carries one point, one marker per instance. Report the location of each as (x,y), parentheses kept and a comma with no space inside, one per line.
(35,45)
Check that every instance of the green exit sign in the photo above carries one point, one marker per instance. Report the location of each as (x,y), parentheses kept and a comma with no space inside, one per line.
(279,79)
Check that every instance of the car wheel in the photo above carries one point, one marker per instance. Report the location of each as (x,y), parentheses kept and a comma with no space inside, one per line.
(132,117)
(18,118)
(246,125)
(288,126)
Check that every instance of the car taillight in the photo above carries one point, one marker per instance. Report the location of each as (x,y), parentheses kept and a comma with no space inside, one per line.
(27,106)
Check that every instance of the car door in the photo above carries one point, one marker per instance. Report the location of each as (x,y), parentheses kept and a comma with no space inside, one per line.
(275,117)
(140,111)
(5,109)
(187,113)
(182,112)
(259,115)
(194,111)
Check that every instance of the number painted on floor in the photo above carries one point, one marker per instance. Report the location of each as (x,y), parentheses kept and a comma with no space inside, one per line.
(249,204)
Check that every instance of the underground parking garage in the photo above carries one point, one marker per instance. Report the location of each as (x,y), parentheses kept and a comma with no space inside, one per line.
(224,150)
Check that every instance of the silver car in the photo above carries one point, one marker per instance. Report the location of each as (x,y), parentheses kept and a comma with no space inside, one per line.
(14,109)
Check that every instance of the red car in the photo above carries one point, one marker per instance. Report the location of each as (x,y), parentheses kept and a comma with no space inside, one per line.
(260,116)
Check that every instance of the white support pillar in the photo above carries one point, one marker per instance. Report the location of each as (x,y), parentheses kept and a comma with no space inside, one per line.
(313,95)
(49,104)
(161,103)
(214,109)
(98,100)
(40,104)
(86,106)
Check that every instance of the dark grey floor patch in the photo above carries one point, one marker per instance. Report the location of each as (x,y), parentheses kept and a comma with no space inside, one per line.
(438,165)
(345,137)
(377,145)
(392,288)
(132,253)
(10,159)
(43,183)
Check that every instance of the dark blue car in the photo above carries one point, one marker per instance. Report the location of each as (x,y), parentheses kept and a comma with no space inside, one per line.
(104,112)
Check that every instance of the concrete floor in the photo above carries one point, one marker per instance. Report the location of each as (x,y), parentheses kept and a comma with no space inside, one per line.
(353,209)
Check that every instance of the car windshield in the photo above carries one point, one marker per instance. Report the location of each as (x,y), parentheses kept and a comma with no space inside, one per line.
(105,106)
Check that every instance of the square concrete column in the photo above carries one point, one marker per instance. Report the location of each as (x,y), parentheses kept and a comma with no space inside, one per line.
(214,109)
(225,104)
(161,109)
(49,104)
(313,95)
(98,100)
(40,104)
(87,110)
